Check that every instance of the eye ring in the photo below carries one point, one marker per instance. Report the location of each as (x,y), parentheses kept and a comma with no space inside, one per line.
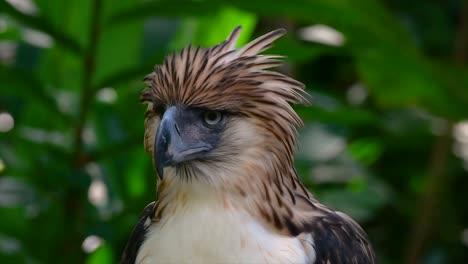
(212,118)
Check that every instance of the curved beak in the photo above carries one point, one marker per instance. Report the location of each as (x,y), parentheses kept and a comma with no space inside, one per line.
(172,146)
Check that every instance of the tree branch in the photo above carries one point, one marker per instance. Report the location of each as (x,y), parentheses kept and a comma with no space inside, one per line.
(423,224)
(426,217)
(75,199)
(89,66)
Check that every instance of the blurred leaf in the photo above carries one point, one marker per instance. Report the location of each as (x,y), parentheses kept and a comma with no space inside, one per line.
(454,78)
(166,8)
(9,245)
(10,34)
(365,150)
(203,31)
(359,202)
(399,79)
(131,73)
(14,193)
(135,176)
(341,115)
(110,57)
(41,24)
(102,255)
(14,80)
(14,223)
(298,51)
(357,184)
(73,17)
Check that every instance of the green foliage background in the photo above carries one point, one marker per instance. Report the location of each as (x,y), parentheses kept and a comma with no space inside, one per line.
(383,139)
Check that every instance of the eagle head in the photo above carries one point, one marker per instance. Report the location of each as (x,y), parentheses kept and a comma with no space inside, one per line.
(216,113)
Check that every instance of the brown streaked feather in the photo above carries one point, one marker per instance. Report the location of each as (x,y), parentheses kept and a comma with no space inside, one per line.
(261,43)
(230,43)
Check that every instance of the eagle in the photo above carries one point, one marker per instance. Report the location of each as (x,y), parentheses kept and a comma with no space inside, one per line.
(222,135)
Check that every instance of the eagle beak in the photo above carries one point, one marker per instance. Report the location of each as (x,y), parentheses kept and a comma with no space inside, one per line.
(172,146)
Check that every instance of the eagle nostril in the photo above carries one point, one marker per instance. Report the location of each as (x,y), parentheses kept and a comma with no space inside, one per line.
(177,129)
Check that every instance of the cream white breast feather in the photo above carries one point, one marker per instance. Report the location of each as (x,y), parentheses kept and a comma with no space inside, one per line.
(208,230)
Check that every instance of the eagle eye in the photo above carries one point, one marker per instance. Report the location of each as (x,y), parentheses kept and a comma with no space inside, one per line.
(212,118)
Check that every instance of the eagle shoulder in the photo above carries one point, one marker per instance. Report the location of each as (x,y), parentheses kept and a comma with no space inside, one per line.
(138,235)
(338,239)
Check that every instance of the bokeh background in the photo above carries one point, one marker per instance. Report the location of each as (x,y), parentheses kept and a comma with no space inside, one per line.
(385,139)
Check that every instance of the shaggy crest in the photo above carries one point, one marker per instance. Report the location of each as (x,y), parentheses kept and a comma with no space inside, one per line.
(234,80)
(223,77)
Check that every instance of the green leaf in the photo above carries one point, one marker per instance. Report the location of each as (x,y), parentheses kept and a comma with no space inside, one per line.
(102,255)
(14,80)
(110,58)
(166,8)
(10,33)
(366,150)
(341,115)
(399,79)
(42,24)
(361,200)
(203,30)
(135,176)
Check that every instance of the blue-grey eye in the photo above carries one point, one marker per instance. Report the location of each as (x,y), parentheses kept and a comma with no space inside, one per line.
(212,117)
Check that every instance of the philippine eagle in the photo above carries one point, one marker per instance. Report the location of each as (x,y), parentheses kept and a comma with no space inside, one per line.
(222,134)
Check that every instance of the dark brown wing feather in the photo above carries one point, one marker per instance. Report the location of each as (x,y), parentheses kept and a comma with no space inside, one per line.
(340,240)
(136,239)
